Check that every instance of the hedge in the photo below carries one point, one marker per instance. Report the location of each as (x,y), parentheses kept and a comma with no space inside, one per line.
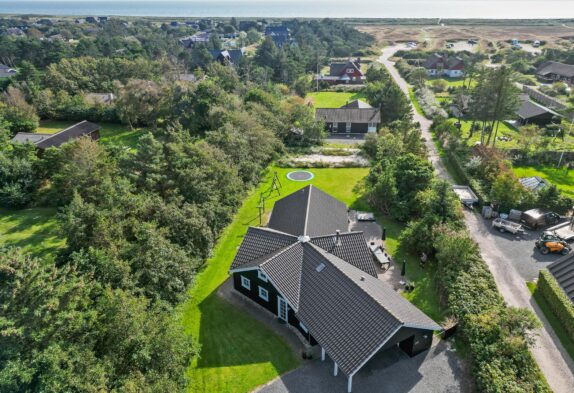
(461,173)
(559,303)
(501,361)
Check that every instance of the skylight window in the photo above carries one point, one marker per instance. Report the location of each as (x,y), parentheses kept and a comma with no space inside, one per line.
(320,267)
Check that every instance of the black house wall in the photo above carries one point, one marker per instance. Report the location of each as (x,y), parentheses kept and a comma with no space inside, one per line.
(272,303)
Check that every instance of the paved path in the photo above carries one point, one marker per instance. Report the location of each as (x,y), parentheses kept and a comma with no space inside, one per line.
(549,353)
(425,123)
(437,370)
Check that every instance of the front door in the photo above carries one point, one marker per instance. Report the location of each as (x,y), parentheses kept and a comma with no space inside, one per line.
(282,308)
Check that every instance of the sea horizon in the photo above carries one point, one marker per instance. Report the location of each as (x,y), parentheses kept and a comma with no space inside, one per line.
(451,9)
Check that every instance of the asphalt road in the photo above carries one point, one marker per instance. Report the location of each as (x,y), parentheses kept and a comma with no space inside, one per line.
(512,261)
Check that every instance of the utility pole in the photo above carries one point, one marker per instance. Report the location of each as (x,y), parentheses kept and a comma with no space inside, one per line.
(317,76)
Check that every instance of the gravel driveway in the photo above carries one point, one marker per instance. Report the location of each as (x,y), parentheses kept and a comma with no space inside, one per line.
(437,370)
(511,261)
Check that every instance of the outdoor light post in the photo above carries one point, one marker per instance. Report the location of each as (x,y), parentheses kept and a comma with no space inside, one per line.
(403,272)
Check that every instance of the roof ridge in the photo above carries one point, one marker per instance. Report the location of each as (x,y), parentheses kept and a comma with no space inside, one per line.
(65,129)
(307,209)
(340,233)
(321,251)
(267,229)
(277,253)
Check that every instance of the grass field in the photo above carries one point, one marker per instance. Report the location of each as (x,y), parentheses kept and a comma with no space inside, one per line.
(110,133)
(451,82)
(238,353)
(34,230)
(552,320)
(333,99)
(561,177)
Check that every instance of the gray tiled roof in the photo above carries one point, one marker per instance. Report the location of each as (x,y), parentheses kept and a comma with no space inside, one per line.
(44,141)
(352,249)
(348,115)
(310,212)
(23,137)
(284,271)
(349,313)
(529,109)
(260,242)
(553,67)
(563,272)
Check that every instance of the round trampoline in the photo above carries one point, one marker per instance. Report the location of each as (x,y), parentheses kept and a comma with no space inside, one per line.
(300,176)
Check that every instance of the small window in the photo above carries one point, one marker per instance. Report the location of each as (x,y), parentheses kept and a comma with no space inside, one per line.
(350,70)
(348,127)
(245,283)
(303,327)
(262,276)
(264,294)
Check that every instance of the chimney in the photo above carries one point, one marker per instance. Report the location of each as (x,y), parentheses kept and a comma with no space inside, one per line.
(337,238)
(362,278)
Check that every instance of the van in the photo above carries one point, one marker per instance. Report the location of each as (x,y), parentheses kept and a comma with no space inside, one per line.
(537,218)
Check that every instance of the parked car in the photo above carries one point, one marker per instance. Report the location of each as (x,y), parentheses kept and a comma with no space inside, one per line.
(538,218)
(507,226)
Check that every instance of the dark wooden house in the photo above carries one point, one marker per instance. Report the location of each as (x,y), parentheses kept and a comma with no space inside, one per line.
(45,141)
(309,270)
(228,57)
(356,117)
(552,71)
(531,112)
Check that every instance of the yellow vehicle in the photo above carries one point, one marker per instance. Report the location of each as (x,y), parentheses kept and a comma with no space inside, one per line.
(548,242)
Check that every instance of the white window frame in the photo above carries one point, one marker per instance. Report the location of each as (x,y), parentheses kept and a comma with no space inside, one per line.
(335,127)
(245,283)
(303,327)
(263,294)
(350,70)
(262,276)
(348,127)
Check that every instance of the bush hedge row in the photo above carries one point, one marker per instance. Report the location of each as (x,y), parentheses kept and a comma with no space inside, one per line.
(498,344)
(559,303)
(461,173)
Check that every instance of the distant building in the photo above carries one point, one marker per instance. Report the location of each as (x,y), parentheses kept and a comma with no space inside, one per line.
(228,57)
(100,98)
(533,183)
(344,73)
(7,72)
(45,141)
(552,71)
(531,112)
(356,117)
(279,34)
(246,25)
(192,41)
(443,65)
(15,32)
(91,19)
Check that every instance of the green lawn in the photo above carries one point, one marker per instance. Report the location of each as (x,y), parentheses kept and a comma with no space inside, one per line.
(238,353)
(333,99)
(552,320)
(451,82)
(34,230)
(503,130)
(110,133)
(561,177)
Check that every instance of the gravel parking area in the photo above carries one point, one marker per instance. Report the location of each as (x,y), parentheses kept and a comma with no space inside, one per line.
(519,250)
(438,370)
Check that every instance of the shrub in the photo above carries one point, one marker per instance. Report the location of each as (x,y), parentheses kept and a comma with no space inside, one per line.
(429,104)
(559,303)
